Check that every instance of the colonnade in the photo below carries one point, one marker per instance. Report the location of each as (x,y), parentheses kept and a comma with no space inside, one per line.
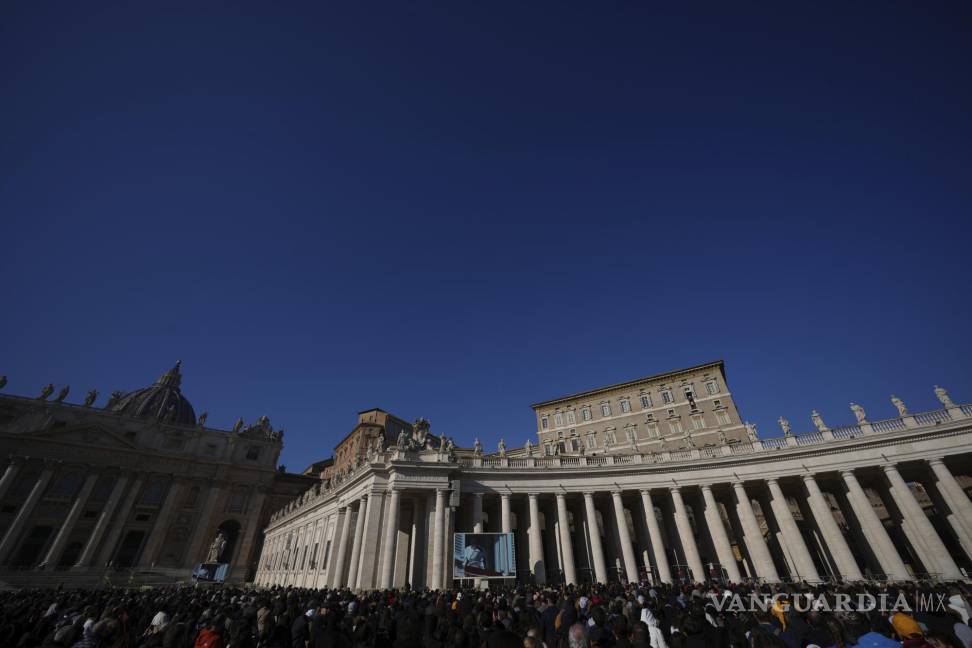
(809,526)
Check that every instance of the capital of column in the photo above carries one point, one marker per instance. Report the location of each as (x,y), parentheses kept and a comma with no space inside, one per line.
(505,497)
(533,496)
(644,491)
(936,461)
(848,474)
(706,488)
(615,492)
(890,468)
(675,489)
(561,496)
(17,460)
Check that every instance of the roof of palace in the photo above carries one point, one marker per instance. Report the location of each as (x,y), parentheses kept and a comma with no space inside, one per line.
(630,383)
(161,401)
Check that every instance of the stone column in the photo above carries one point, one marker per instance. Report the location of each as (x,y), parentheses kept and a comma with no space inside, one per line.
(874,530)
(597,549)
(356,542)
(368,565)
(199,538)
(566,543)
(438,535)
(830,532)
(713,520)
(685,536)
(627,552)
(507,519)
(449,520)
(755,544)
(388,543)
(477,512)
(912,510)
(655,535)
(10,475)
(23,514)
(115,530)
(50,560)
(957,501)
(340,557)
(791,533)
(536,544)
(243,558)
(162,524)
(87,554)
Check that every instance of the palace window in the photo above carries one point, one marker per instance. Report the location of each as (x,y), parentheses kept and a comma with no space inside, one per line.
(667,396)
(676,426)
(605,409)
(253,452)
(645,401)
(717,403)
(591,441)
(558,419)
(609,438)
(671,413)
(586,413)
(689,392)
(653,430)
(712,387)
(698,422)
(570,417)
(630,433)
(544,422)
(547,449)
(575,444)
(723,417)
(625,405)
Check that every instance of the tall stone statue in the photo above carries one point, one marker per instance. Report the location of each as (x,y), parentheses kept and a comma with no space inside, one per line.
(402,441)
(47,391)
(529,448)
(90,398)
(818,421)
(420,431)
(61,395)
(216,548)
(786,426)
(751,431)
(238,426)
(502,448)
(113,399)
(858,413)
(3,382)
(943,396)
(202,419)
(898,403)
(478,448)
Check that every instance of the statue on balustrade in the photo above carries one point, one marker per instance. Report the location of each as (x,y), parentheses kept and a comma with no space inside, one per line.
(898,403)
(61,395)
(818,421)
(3,382)
(90,397)
(238,426)
(216,548)
(502,448)
(751,431)
(943,396)
(113,399)
(420,432)
(787,431)
(47,391)
(529,448)
(402,442)
(202,419)
(478,448)
(858,413)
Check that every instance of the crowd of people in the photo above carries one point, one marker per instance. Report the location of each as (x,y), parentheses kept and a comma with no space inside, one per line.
(591,616)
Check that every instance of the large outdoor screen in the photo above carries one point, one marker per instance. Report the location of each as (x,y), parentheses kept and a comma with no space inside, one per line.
(483,555)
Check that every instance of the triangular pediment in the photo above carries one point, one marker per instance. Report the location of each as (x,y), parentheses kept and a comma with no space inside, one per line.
(88,435)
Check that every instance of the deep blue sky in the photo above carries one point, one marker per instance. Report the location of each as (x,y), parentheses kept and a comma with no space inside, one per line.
(453,210)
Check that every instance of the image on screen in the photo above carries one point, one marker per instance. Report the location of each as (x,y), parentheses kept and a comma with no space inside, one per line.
(483,555)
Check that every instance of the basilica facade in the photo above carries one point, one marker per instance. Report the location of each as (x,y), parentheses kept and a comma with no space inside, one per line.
(137,489)
(654,480)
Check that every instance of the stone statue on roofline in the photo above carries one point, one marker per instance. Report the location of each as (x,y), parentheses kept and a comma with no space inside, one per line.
(502,448)
(818,421)
(90,398)
(943,396)
(238,426)
(785,425)
(3,382)
(478,448)
(529,448)
(113,399)
(61,395)
(49,389)
(402,442)
(899,404)
(858,413)
(751,431)
(420,432)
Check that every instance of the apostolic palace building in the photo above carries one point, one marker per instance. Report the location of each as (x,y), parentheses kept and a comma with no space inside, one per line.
(657,478)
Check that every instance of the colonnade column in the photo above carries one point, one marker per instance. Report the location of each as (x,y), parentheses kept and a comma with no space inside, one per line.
(847,566)
(957,501)
(874,530)
(654,534)
(114,534)
(68,525)
(713,519)
(536,544)
(389,541)
(17,526)
(10,475)
(791,533)
(477,513)
(506,519)
(162,524)
(566,544)
(758,551)
(630,566)
(437,539)
(684,528)
(202,526)
(357,542)
(87,554)
(340,558)
(597,549)
(912,510)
